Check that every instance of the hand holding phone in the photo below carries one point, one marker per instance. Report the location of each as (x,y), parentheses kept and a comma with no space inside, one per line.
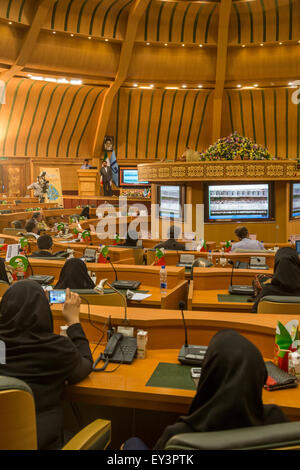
(71,308)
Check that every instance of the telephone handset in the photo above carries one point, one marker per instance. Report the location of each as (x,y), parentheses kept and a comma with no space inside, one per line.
(112,344)
(119,349)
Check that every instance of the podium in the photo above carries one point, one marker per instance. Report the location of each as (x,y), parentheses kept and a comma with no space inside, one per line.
(88,183)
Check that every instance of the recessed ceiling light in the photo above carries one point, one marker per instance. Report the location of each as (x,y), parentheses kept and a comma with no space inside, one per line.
(200,86)
(255,85)
(182,45)
(244,45)
(151,85)
(148,43)
(135,84)
(106,40)
(261,44)
(90,37)
(200,45)
(10,22)
(280,44)
(183,86)
(53,32)
(239,86)
(166,44)
(72,35)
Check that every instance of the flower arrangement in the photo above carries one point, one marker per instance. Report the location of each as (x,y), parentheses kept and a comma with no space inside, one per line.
(235,147)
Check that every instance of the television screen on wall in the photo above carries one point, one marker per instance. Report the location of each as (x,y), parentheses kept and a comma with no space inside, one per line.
(129,177)
(295,200)
(237,202)
(171,201)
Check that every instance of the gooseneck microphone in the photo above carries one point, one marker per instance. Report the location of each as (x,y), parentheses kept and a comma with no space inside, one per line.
(99,288)
(109,260)
(238,289)
(190,354)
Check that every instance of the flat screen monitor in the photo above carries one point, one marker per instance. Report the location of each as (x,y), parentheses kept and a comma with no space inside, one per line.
(294,200)
(238,202)
(171,201)
(129,177)
(298,246)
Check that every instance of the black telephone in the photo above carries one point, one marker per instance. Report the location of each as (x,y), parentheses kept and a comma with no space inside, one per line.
(119,349)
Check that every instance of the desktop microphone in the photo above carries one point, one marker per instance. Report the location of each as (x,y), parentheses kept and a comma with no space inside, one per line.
(238,289)
(100,288)
(190,354)
(109,260)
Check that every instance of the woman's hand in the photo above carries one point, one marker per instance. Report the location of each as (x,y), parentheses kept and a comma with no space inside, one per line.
(71,308)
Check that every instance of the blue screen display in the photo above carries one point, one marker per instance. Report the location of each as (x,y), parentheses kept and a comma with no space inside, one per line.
(295,209)
(130,177)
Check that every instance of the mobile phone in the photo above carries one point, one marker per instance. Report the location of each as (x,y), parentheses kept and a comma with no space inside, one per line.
(57,296)
(196,372)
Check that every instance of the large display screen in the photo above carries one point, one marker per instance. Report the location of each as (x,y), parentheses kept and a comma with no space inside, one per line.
(129,177)
(238,202)
(294,200)
(170,199)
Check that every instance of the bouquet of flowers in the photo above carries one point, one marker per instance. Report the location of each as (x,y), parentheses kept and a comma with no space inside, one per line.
(159,257)
(103,254)
(235,147)
(86,235)
(117,239)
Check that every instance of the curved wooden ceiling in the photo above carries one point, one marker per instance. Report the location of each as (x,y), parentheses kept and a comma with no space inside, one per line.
(113,44)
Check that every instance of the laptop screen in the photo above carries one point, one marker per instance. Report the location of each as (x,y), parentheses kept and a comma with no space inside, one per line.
(89,253)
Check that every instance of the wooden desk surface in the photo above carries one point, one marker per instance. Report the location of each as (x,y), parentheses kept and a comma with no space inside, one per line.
(126,387)
(208,300)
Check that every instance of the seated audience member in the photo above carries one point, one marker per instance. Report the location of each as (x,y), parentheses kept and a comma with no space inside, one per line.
(44,244)
(42,359)
(229,392)
(131,239)
(74,275)
(85,212)
(39,220)
(171,243)
(286,277)
(32,229)
(3,272)
(245,242)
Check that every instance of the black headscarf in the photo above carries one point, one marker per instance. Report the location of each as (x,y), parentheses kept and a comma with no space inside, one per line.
(287,270)
(74,275)
(26,327)
(229,393)
(3,274)
(85,212)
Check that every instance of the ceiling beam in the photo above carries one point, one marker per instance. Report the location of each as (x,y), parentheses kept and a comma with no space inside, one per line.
(222,50)
(136,12)
(38,22)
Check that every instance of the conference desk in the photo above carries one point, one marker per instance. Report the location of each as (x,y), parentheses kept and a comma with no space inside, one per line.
(6,219)
(217,301)
(148,275)
(126,387)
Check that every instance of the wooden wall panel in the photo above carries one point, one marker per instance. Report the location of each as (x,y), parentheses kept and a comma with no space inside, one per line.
(104,18)
(268,63)
(11,42)
(77,56)
(46,119)
(267,115)
(158,124)
(179,22)
(169,64)
(264,21)
(20,11)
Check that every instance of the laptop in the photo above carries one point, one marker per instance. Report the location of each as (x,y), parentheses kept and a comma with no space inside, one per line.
(89,255)
(186,261)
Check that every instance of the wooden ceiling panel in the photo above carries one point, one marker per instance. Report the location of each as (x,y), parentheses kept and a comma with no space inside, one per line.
(19,11)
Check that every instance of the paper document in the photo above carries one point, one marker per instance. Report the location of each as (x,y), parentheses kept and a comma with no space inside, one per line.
(137,296)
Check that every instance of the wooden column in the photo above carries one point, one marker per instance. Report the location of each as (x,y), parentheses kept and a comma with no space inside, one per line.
(224,19)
